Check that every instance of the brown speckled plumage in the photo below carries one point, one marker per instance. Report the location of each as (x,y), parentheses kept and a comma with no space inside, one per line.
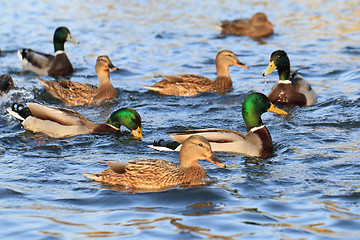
(192,84)
(257,26)
(157,174)
(82,93)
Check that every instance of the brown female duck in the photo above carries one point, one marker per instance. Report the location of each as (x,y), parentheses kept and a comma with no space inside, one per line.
(82,93)
(156,175)
(191,84)
(257,26)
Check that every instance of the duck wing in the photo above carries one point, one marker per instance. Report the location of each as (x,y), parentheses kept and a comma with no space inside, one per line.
(34,61)
(69,91)
(184,85)
(59,115)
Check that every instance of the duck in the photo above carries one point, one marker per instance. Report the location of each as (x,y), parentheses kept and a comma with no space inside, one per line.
(257,26)
(192,84)
(76,93)
(291,88)
(59,122)
(156,175)
(257,142)
(6,83)
(47,64)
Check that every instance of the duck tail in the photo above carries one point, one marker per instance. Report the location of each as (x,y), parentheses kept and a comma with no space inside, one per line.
(152,88)
(92,176)
(19,111)
(165,146)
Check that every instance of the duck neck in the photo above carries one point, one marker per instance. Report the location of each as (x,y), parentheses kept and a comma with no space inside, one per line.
(222,70)
(284,71)
(104,78)
(252,118)
(58,46)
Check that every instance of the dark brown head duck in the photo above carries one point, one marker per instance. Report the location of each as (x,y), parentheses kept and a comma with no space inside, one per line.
(291,88)
(191,84)
(157,175)
(47,64)
(6,83)
(82,93)
(257,26)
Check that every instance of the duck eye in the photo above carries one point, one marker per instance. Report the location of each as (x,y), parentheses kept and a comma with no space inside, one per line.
(200,145)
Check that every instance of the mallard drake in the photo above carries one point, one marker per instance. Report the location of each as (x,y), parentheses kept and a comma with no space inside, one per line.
(191,84)
(46,64)
(291,87)
(83,93)
(60,122)
(256,142)
(257,26)
(6,83)
(155,174)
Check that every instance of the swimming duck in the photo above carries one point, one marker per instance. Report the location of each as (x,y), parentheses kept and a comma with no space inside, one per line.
(83,93)
(191,84)
(6,83)
(155,174)
(256,142)
(60,122)
(291,87)
(257,26)
(46,64)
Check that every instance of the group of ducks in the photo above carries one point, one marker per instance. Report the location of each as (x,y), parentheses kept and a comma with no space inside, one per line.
(194,145)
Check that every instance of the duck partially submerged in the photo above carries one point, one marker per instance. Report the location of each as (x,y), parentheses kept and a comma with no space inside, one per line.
(191,84)
(82,93)
(157,175)
(6,83)
(47,64)
(60,122)
(291,88)
(257,26)
(257,142)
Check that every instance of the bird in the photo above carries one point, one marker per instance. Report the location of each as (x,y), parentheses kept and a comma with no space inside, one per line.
(6,83)
(191,84)
(257,26)
(59,122)
(157,175)
(291,88)
(257,142)
(82,93)
(47,64)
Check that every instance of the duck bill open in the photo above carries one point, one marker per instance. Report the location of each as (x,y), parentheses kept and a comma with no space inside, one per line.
(213,159)
(271,67)
(274,109)
(137,133)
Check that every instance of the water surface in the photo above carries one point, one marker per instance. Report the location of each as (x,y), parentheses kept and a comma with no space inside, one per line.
(309,188)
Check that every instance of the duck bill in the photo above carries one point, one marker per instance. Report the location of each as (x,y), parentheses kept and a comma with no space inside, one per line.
(240,64)
(270,24)
(112,67)
(213,159)
(271,67)
(274,109)
(137,133)
(71,39)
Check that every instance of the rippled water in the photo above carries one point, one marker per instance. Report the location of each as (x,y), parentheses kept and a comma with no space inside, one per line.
(309,188)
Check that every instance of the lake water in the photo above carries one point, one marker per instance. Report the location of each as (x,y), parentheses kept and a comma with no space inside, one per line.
(309,188)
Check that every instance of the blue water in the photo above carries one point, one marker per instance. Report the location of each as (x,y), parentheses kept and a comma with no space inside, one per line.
(309,188)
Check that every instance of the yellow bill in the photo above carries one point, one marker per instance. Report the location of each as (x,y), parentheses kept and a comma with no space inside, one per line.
(274,109)
(271,67)
(137,133)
